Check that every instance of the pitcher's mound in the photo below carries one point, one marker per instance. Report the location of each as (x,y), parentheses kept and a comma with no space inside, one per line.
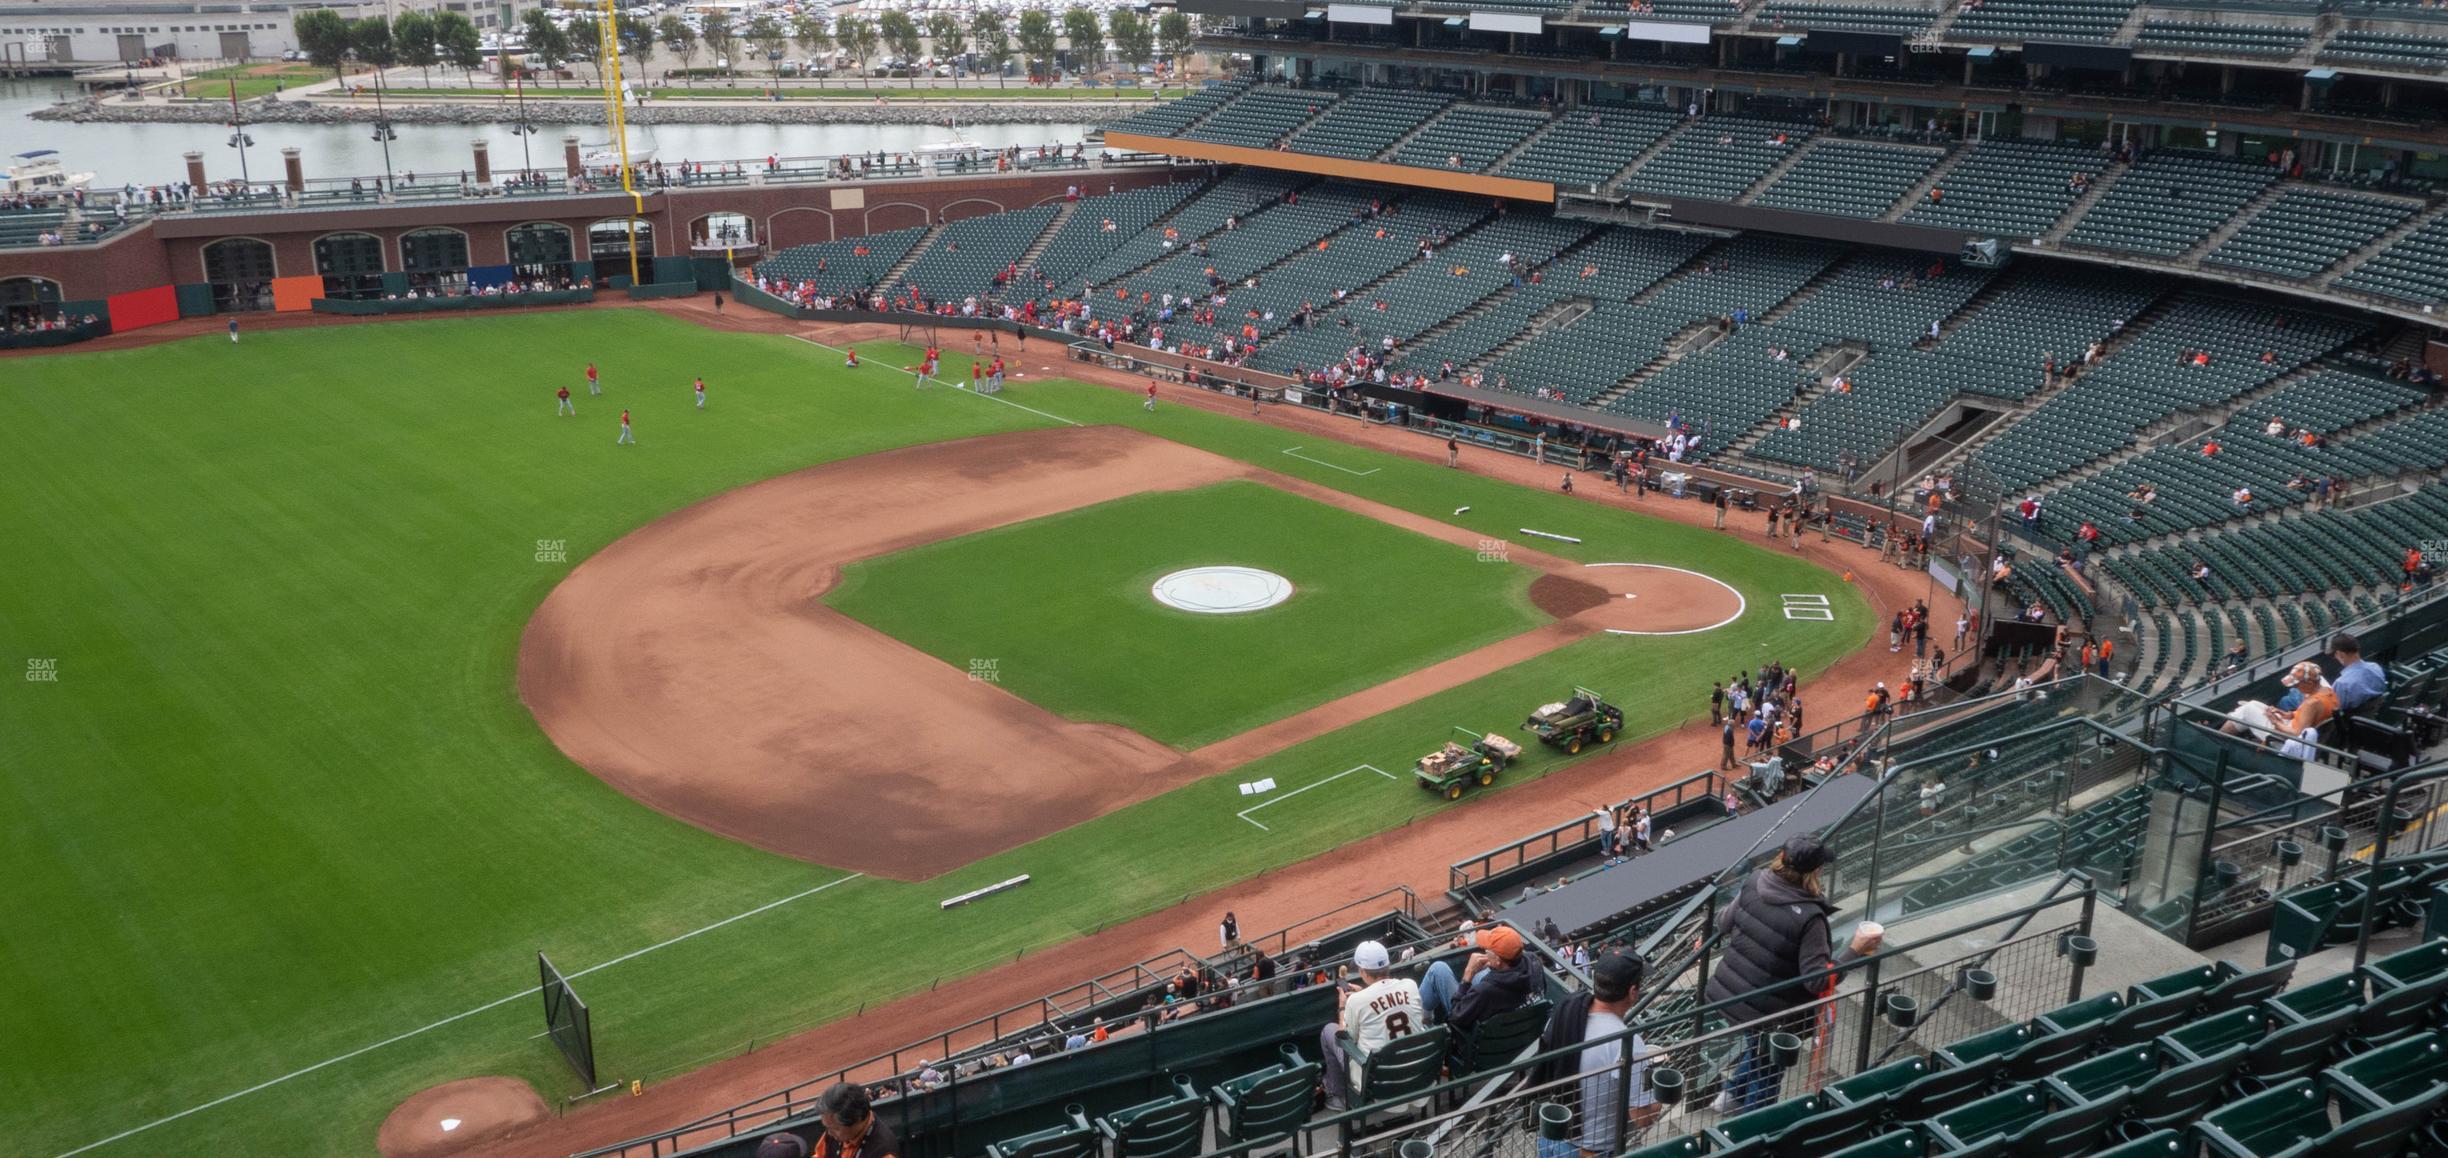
(456,1115)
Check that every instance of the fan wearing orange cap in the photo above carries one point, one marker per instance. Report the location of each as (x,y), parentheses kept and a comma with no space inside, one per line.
(1497,977)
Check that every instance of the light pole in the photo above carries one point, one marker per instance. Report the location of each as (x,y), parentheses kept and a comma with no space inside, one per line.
(383,133)
(239,139)
(523,129)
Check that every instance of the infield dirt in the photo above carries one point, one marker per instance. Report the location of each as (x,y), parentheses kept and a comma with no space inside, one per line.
(693,665)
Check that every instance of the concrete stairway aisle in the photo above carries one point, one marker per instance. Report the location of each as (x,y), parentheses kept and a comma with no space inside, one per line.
(2229,228)
(1777,171)
(2074,213)
(2378,245)
(1920,190)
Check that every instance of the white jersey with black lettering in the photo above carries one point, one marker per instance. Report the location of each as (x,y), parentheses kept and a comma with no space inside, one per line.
(1382,1012)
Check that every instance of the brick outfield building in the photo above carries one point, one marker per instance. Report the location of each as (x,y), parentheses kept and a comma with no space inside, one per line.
(218,259)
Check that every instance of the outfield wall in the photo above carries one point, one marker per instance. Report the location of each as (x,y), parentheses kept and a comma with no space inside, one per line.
(168,251)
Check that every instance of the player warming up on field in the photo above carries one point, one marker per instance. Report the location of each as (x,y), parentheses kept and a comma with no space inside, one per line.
(626,438)
(592,386)
(1376,1010)
(701,392)
(850,359)
(567,407)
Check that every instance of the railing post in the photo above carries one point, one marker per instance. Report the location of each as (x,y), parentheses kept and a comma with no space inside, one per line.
(2387,819)
(2090,903)
(1869,1024)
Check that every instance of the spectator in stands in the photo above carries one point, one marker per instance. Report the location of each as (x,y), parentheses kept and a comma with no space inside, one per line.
(1499,976)
(1776,960)
(2238,654)
(850,1126)
(2260,720)
(1376,1010)
(782,1145)
(1596,1016)
(2360,683)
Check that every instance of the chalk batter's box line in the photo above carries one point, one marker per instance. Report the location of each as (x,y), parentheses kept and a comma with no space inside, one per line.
(1245,813)
(1296,453)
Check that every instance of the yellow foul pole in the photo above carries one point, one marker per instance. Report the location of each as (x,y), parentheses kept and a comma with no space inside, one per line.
(616,116)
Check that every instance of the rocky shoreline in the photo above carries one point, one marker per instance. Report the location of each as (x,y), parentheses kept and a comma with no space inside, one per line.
(579,112)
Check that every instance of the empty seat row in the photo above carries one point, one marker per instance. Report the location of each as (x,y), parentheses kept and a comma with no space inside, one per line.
(2307,230)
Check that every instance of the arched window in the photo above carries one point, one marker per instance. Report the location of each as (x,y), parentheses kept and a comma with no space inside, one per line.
(435,259)
(723,232)
(540,250)
(608,247)
(240,271)
(351,265)
(27,300)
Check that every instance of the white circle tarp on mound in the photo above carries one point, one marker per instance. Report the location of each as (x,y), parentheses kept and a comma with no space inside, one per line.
(1222,590)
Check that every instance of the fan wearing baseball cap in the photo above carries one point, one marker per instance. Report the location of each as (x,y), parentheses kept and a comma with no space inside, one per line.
(1776,959)
(1596,1016)
(1496,978)
(2319,704)
(1377,1010)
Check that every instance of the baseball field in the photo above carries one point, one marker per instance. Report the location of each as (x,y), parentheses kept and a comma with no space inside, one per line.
(354,676)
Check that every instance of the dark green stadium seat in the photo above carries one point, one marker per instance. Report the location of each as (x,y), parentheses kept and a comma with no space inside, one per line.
(2193,980)
(1872,1086)
(2244,988)
(1687,1146)
(1765,1122)
(2208,1036)
(1842,1126)
(2272,1122)
(1171,1127)
(1076,1140)
(1265,1104)
(1498,1039)
(2306,1002)
(2110,1072)
(2182,1093)
(2029,1121)
(2145,1020)
(1944,1090)
(2293,1121)
(2088,1011)
(2392,1073)
(2047,1051)
(1402,1069)
(2164,1144)
(2420,963)
(1896,1144)
(2392,1013)
(1999,1042)
(2291,1051)
(2306,920)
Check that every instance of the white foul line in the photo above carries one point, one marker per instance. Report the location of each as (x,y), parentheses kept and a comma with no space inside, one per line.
(521,995)
(1740,604)
(1245,813)
(989,397)
(1295,452)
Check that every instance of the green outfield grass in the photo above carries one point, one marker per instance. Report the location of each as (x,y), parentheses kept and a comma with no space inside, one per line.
(282,803)
(1372,602)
